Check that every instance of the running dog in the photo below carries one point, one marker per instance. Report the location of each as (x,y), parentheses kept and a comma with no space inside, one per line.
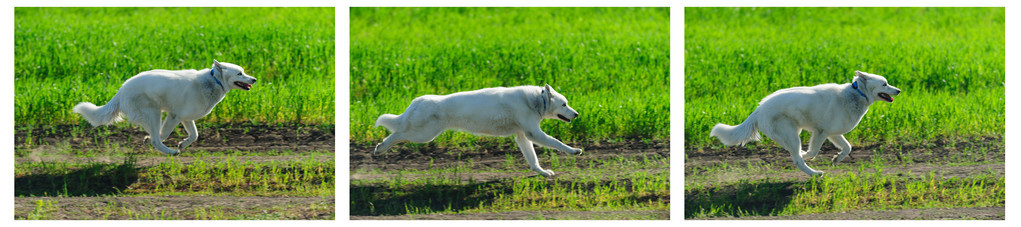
(827,111)
(186,95)
(498,111)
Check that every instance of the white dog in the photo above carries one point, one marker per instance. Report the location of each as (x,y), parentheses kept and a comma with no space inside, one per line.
(186,95)
(496,111)
(828,111)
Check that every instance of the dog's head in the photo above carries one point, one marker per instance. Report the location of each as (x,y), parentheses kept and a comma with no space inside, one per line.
(875,86)
(232,75)
(551,104)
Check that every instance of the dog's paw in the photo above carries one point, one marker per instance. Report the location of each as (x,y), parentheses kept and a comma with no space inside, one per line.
(546,173)
(837,159)
(808,156)
(576,151)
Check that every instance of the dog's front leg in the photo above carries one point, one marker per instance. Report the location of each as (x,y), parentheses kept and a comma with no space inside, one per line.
(814,144)
(845,147)
(193,134)
(538,136)
(168,125)
(529,152)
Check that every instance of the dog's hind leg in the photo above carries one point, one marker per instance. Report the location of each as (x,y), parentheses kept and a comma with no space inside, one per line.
(151,122)
(845,147)
(525,144)
(193,134)
(783,131)
(814,144)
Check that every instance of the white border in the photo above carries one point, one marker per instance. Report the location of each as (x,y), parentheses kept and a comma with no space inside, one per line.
(342,87)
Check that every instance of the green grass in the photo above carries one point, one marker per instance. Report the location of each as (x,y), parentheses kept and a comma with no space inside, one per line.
(68,55)
(619,184)
(611,63)
(949,62)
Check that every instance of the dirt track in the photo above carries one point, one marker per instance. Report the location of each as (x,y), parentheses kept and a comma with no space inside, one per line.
(487,161)
(244,143)
(188,207)
(489,155)
(246,138)
(944,158)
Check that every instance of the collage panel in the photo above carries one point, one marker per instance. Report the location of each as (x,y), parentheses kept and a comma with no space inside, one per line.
(253,94)
(844,113)
(510,113)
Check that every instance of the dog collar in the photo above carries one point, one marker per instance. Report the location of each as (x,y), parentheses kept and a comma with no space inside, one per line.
(212,73)
(855,86)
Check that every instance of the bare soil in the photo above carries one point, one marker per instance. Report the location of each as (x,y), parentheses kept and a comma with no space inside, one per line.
(174,207)
(111,144)
(240,137)
(967,213)
(531,215)
(483,159)
(944,157)
(491,155)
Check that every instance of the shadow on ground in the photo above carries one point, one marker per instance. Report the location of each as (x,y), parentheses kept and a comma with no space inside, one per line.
(93,179)
(751,199)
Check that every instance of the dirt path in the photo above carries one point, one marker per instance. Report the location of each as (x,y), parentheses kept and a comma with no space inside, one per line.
(532,215)
(246,138)
(939,151)
(491,155)
(944,158)
(173,207)
(968,157)
(980,213)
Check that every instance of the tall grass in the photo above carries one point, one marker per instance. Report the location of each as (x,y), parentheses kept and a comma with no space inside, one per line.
(611,63)
(68,55)
(949,62)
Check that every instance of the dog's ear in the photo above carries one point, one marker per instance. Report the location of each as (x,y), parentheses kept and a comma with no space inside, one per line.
(547,88)
(864,76)
(217,66)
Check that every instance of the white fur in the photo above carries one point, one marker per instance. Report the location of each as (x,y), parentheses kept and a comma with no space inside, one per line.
(498,111)
(186,95)
(827,111)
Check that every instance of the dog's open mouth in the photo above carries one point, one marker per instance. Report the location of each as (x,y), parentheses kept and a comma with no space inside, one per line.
(885,97)
(562,118)
(243,85)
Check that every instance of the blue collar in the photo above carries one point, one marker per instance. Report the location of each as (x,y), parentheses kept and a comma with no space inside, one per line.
(855,86)
(212,74)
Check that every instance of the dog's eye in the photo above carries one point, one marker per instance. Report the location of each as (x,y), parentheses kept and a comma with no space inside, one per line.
(239,74)
(565,104)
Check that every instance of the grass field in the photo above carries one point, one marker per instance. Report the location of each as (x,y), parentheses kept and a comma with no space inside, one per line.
(93,50)
(611,63)
(262,154)
(949,62)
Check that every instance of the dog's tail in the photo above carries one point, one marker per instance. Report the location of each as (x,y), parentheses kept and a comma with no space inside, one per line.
(741,134)
(100,115)
(390,122)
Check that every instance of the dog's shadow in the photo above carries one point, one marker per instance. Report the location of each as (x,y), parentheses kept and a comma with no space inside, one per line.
(411,198)
(742,199)
(95,179)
